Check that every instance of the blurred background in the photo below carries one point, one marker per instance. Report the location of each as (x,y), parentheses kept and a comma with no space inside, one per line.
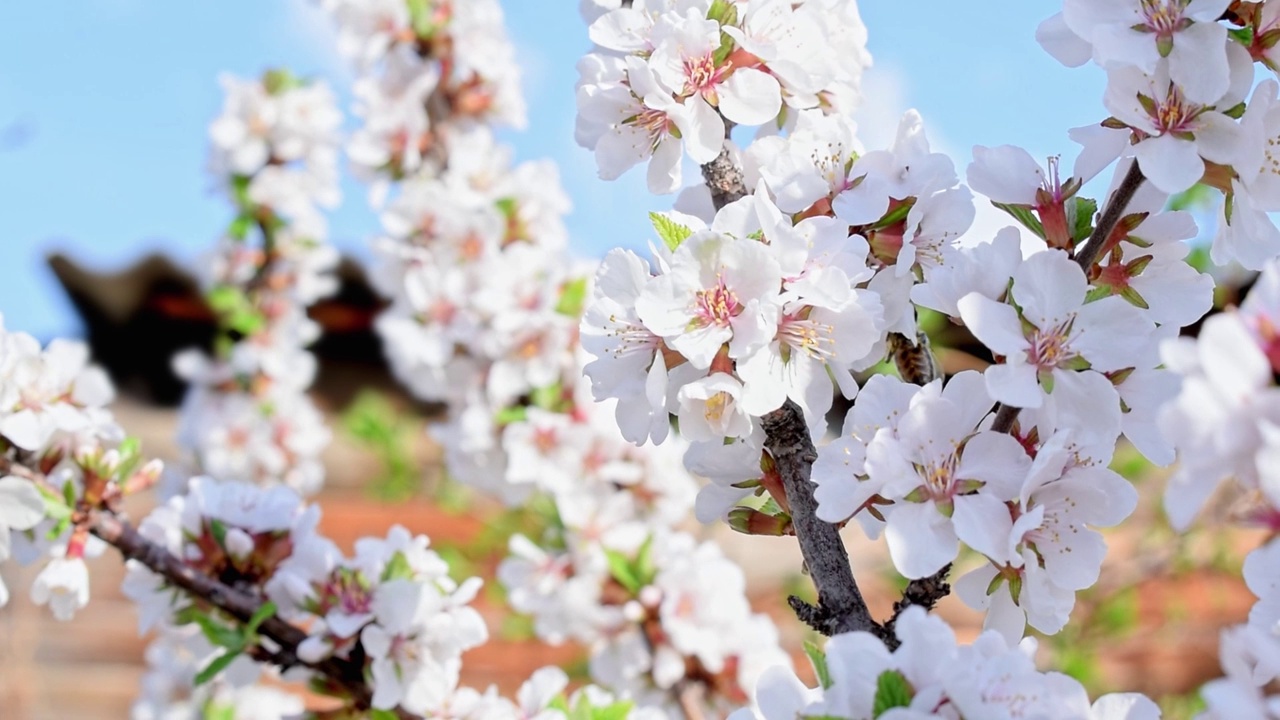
(104,106)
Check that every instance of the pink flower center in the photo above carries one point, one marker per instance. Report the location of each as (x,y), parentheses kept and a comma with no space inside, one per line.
(701,75)
(1050,348)
(1163,17)
(1175,114)
(655,123)
(717,306)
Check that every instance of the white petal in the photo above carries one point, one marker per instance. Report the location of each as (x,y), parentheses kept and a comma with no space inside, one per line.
(750,97)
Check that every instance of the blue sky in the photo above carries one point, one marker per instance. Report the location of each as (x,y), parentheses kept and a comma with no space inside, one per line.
(104,106)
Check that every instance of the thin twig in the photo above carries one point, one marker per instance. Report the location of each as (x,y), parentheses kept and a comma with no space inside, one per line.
(1086,257)
(131,544)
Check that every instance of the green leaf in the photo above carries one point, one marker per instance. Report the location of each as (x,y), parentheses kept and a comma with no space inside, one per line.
(573,297)
(509,415)
(621,570)
(645,569)
(421,17)
(615,711)
(219,664)
(218,711)
(671,232)
(259,617)
(219,530)
(723,12)
(1084,209)
(508,207)
(1243,35)
(240,227)
(549,397)
(69,493)
(892,691)
(240,190)
(280,80)
(818,659)
(217,633)
(397,568)
(1023,215)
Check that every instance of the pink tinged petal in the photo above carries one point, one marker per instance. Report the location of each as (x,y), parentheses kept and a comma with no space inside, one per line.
(1005,174)
(1124,706)
(621,148)
(1014,385)
(864,204)
(763,376)
(1231,358)
(1050,287)
(1073,563)
(21,506)
(1217,137)
(622,30)
(702,130)
(1101,147)
(1065,46)
(996,459)
(1113,334)
(750,97)
(983,523)
(715,501)
(840,491)
(1172,165)
(995,324)
(1198,62)
(1205,11)
(664,175)
(921,540)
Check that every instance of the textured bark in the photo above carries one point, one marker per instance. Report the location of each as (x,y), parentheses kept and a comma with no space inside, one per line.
(841,607)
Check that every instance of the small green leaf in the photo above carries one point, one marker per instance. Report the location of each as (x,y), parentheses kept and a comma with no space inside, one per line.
(549,397)
(280,80)
(219,664)
(818,659)
(508,207)
(892,691)
(69,493)
(573,297)
(240,227)
(259,617)
(620,568)
(671,232)
(398,568)
(1023,215)
(509,415)
(1084,209)
(219,530)
(1243,35)
(723,12)
(615,711)
(217,633)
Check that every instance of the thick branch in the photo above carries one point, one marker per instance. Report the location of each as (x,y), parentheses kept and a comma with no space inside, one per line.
(724,178)
(841,607)
(1086,257)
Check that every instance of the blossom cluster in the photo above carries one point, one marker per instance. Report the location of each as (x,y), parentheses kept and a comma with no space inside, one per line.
(668,78)
(929,675)
(246,416)
(1225,420)
(485,304)
(1178,77)
(423,63)
(1250,653)
(53,417)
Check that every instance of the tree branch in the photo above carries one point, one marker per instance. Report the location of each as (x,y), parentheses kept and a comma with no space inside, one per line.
(841,607)
(1086,257)
(241,606)
(131,544)
(723,177)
